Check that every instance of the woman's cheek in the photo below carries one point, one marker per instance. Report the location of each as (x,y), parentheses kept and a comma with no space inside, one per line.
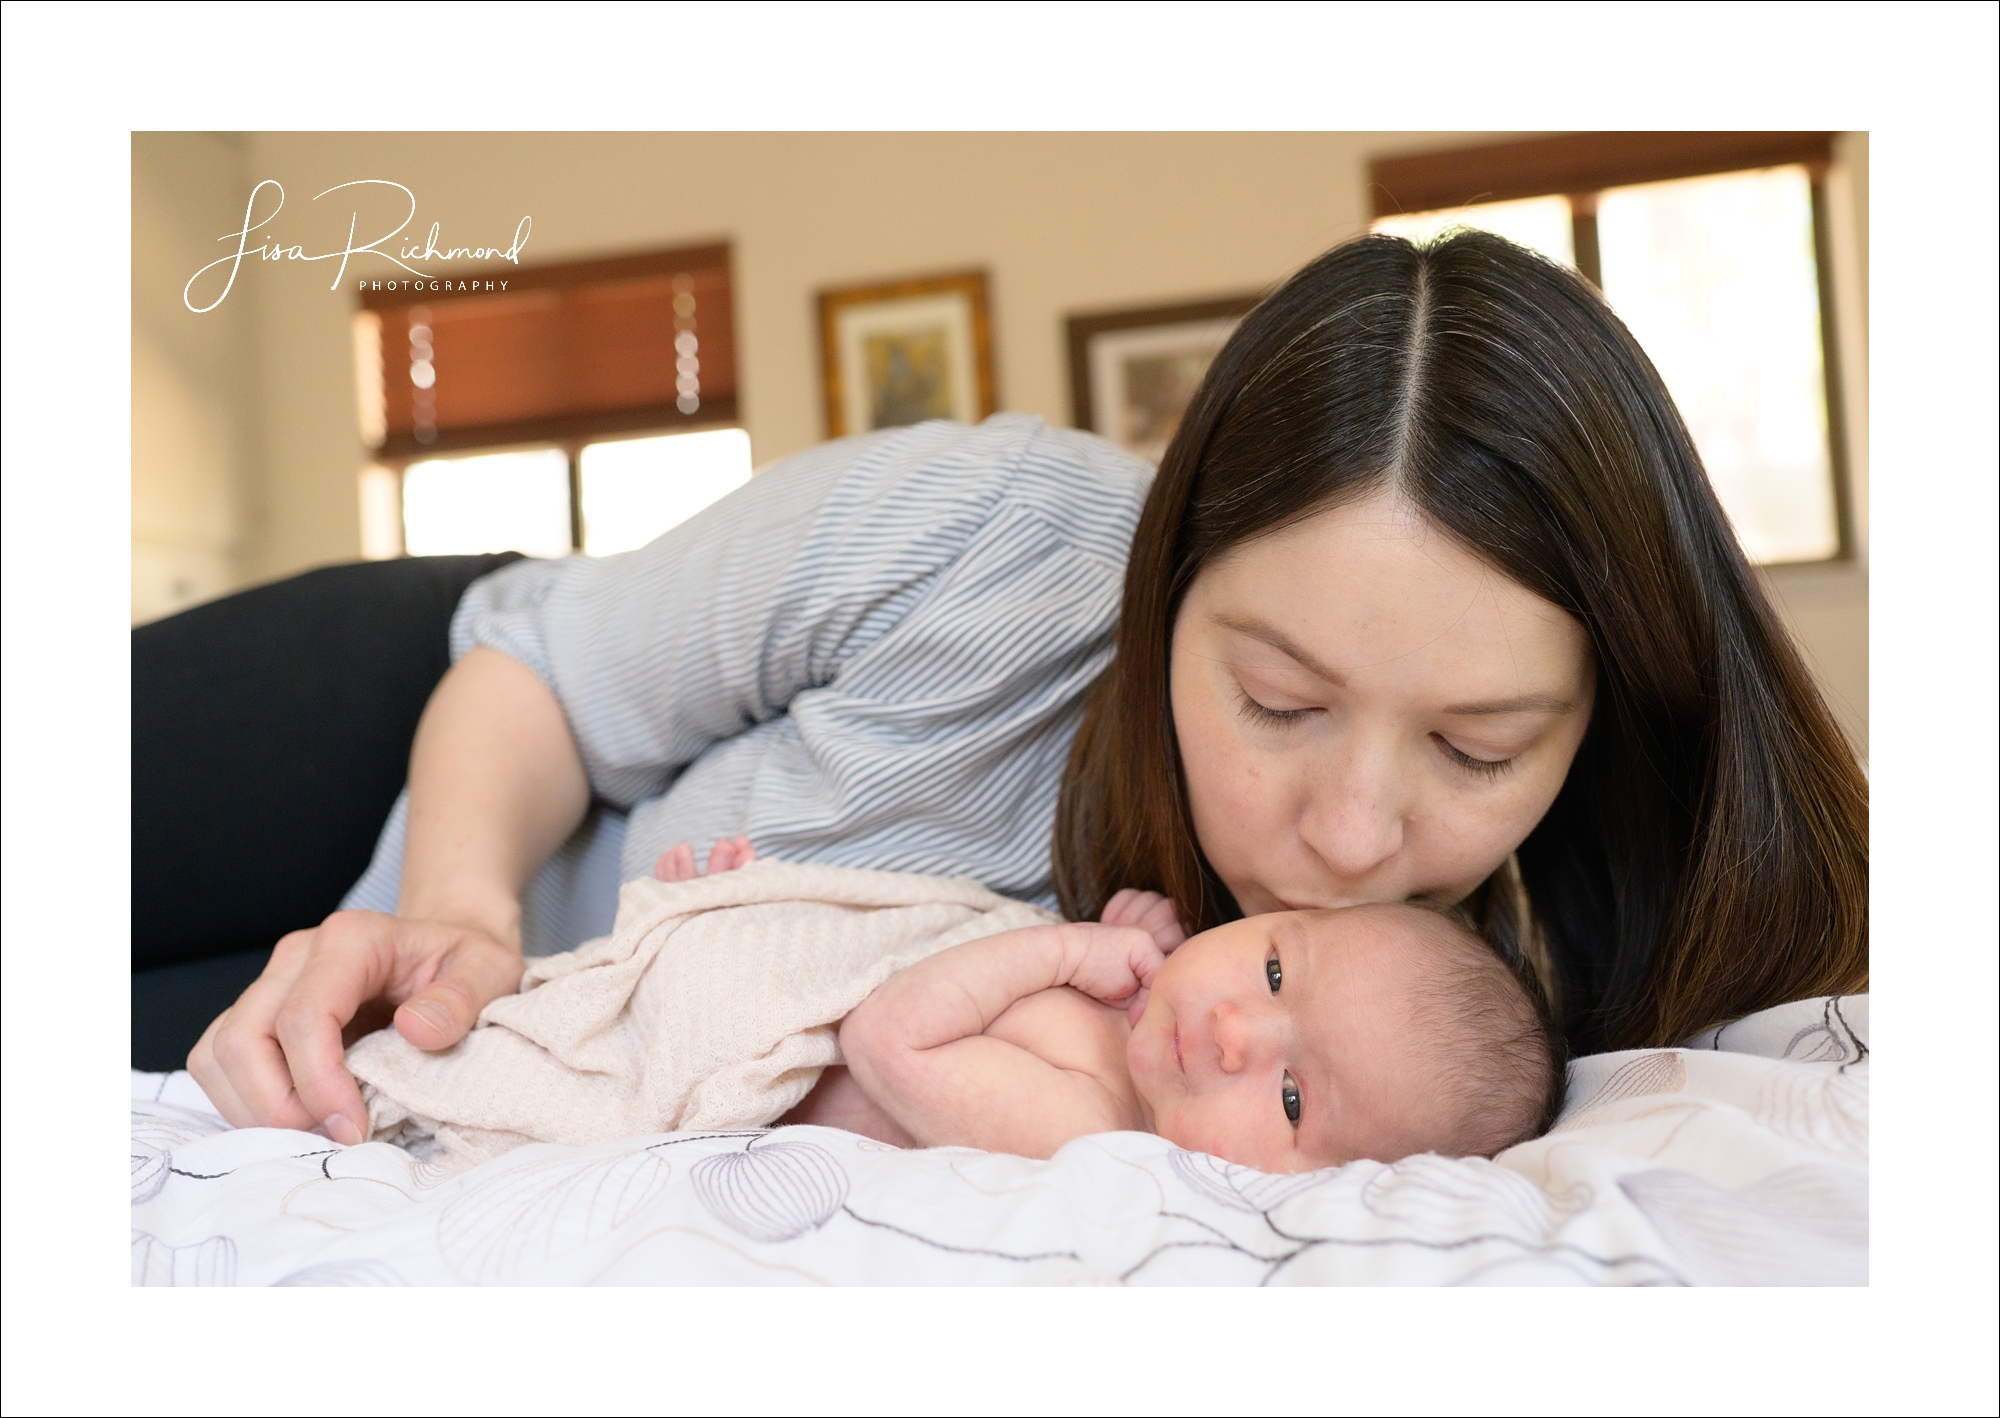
(1231,798)
(1473,838)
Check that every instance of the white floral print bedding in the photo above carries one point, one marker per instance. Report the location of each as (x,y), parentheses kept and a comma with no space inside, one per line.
(1739,1160)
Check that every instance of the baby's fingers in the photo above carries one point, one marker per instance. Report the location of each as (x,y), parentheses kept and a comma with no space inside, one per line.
(1138,1005)
(1148,911)
(1115,909)
(1162,922)
(1144,958)
(1115,961)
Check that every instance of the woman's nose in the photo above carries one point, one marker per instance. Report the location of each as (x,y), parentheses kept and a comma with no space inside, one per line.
(1244,1037)
(1354,819)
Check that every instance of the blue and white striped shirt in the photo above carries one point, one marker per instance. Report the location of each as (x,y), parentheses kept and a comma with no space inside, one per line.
(873,655)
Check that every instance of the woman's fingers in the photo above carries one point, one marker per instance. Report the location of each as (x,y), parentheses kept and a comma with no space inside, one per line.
(238,1062)
(276,1057)
(476,971)
(213,1082)
(353,961)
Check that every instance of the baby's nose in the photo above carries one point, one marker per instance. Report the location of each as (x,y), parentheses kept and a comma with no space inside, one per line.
(1242,1037)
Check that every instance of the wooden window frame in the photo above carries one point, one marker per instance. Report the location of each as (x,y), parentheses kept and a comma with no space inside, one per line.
(570,433)
(1581,166)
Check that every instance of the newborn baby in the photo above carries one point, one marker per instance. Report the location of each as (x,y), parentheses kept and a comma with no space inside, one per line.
(1283,1042)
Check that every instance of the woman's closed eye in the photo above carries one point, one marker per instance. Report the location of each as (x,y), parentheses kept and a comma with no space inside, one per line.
(1259,713)
(1483,767)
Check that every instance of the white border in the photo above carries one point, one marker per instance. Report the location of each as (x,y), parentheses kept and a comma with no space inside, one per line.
(1920,77)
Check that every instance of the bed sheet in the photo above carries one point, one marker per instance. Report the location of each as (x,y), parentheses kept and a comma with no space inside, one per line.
(1739,1160)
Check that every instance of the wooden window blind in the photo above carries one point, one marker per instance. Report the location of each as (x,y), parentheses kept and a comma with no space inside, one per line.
(563,353)
(1578,163)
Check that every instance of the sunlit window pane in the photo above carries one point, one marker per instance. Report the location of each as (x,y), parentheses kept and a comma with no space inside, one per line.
(493,502)
(637,488)
(1716,278)
(381,513)
(1538,223)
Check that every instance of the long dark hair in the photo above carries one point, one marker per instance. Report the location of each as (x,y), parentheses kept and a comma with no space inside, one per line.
(1707,854)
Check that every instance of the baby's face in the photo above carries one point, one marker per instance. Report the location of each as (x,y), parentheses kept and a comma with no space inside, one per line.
(1286,1042)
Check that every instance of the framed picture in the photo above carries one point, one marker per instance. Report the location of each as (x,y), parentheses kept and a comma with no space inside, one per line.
(901,352)
(1133,372)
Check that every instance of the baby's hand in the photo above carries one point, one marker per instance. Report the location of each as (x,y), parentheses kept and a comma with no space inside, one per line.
(728,853)
(1151,913)
(1118,965)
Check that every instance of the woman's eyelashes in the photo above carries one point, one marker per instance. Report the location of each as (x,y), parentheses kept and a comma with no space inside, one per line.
(1482,767)
(1264,714)
(1260,713)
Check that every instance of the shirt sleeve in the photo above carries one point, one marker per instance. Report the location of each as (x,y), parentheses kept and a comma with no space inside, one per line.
(784,586)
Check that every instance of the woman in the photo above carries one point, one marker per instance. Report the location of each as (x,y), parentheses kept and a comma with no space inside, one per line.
(1429,599)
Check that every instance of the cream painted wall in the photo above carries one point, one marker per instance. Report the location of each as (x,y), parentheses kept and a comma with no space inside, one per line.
(191,419)
(1062,222)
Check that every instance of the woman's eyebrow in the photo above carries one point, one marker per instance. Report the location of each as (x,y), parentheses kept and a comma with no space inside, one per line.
(1520,704)
(1277,640)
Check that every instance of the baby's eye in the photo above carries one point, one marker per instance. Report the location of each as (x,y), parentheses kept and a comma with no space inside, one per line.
(1274,972)
(1289,1092)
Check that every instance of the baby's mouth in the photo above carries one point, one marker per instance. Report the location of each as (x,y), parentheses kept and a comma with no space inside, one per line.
(1179,1062)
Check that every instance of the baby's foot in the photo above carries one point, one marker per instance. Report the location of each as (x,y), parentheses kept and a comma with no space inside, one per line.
(1150,912)
(728,853)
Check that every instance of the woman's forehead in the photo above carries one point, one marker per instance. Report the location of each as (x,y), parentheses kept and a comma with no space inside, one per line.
(1373,584)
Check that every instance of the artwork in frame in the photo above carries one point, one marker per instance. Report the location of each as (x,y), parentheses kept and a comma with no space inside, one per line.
(900,352)
(1133,372)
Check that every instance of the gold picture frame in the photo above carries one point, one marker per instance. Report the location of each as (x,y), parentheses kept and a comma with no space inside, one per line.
(894,353)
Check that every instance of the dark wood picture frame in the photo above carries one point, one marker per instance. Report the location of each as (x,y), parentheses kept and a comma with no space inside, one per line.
(1083,330)
(838,383)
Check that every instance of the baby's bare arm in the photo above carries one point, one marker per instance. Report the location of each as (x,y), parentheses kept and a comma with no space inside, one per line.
(919,1048)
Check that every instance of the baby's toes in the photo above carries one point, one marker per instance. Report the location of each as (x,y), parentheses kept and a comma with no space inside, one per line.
(675,864)
(729,853)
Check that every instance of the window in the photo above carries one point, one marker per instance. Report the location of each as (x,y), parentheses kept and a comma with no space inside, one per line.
(1712,248)
(513,414)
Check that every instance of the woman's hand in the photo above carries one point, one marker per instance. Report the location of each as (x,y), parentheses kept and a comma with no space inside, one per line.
(496,784)
(273,1059)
